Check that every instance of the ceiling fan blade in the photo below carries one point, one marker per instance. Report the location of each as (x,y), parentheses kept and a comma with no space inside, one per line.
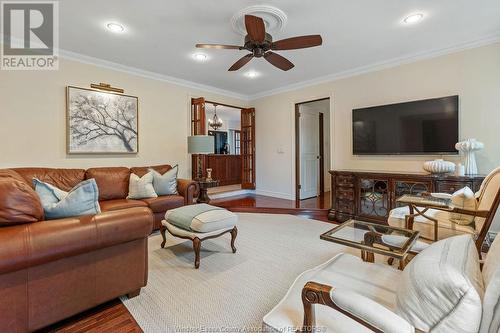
(278,61)
(300,42)
(255,28)
(240,63)
(219,46)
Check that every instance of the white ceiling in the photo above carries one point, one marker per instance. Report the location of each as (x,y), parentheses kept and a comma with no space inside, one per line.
(161,34)
(232,115)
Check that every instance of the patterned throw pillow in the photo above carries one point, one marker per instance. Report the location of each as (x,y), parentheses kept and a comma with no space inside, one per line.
(80,200)
(141,187)
(465,199)
(165,184)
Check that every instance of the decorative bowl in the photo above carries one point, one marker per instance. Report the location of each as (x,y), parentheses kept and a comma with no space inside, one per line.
(439,166)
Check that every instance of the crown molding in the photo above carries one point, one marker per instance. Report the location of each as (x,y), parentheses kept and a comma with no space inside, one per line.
(395,62)
(148,74)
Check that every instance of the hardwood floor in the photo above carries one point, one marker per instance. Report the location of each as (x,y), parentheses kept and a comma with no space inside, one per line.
(114,316)
(108,317)
(314,208)
(258,201)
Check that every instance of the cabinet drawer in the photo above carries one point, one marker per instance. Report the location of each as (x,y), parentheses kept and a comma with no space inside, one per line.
(345,193)
(345,180)
(345,206)
(450,187)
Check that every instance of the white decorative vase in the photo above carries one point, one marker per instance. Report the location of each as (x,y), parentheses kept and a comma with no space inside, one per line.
(439,166)
(469,148)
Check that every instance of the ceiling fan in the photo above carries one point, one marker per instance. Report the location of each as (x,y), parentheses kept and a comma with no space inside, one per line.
(261,44)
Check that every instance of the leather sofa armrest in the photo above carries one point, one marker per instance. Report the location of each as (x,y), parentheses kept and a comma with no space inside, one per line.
(189,189)
(359,308)
(38,243)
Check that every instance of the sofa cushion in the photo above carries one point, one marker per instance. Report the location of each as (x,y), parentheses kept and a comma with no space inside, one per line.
(141,171)
(344,271)
(491,276)
(112,182)
(201,218)
(65,179)
(56,239)
(164,203)
(166,183)
(19,203)
(442,287)
(141,187)
(80,200)
(117,204)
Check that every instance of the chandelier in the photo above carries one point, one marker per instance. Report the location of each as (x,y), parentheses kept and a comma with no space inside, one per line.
(215,122)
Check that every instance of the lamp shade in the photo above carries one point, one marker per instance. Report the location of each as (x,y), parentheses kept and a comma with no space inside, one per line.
(200,144)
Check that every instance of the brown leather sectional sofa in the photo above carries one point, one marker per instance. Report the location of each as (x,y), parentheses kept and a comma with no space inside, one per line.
(50,270)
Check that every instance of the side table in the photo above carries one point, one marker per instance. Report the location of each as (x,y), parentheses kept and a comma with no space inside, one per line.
(204,186)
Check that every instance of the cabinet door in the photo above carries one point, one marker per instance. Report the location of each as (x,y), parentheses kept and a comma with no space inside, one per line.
(373,196)
(401,187)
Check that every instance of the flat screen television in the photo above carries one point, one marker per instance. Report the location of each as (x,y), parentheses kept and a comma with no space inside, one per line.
(412,128)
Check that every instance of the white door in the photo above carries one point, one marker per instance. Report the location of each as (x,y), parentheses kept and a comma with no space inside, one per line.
(309,154)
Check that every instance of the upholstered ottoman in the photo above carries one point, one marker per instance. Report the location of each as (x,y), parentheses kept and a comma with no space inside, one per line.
(198,223)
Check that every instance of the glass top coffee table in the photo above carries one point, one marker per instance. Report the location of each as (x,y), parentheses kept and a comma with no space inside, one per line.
(372,238)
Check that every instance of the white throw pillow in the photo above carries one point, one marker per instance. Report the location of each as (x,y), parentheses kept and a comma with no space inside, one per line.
(465,199)
(442,287)
(165,184)
(141,187)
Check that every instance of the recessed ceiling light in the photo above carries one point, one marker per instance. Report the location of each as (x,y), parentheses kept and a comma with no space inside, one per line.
(115,27)
(413,18)
(200,57)
(251,74)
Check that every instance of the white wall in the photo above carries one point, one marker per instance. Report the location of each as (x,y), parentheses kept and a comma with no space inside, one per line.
(33,117)
(473,74)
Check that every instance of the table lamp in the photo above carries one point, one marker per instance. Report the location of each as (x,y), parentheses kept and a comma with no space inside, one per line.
(200,145)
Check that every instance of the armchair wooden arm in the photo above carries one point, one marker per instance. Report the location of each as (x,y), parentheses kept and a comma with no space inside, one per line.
(317,293)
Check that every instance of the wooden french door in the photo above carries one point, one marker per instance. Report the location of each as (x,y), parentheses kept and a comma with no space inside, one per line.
(198,127)
(198,116)
(247,142)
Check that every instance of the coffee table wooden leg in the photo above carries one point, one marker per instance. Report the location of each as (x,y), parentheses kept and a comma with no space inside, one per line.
(196,247)
(370,257)
(234,233)
(162,231)
(390,261)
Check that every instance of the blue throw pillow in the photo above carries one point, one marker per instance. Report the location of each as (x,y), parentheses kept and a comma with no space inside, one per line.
(165,184)
(80,200)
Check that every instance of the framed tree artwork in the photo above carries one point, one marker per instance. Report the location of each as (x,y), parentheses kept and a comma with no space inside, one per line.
(101,122)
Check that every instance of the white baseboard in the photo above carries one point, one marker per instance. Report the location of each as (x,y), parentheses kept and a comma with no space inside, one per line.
(275,194)
(230,194)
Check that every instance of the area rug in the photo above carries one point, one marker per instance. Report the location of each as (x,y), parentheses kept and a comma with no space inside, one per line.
(229,292)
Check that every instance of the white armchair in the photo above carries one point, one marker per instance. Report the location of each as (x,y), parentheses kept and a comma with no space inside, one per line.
(487,200)
(437,292)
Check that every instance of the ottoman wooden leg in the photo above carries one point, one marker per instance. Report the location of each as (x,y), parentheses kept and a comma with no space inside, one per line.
(196,247)
(234,233)
(162,231)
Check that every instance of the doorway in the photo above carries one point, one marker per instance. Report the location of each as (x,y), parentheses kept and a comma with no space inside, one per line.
(233,129)
(312,148)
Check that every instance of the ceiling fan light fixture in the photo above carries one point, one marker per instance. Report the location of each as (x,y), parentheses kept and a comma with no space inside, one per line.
(413,18)
(115,27)
(201,57)
(251,74)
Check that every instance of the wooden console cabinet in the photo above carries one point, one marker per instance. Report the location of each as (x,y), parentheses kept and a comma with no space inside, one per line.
(370,196)
(225,168)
